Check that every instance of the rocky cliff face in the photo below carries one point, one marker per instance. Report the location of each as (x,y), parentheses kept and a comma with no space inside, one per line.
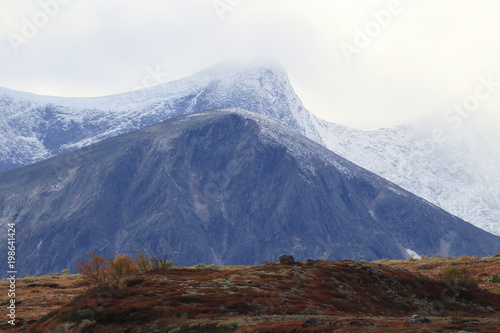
(224,187)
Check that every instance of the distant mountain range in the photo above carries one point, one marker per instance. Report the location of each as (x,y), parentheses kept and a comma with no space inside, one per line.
(224,187)
(460,175)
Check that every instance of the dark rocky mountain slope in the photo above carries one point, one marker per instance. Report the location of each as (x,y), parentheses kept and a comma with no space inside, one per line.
(223,187)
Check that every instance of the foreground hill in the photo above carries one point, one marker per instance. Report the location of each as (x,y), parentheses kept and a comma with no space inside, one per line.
(220,187)
(312,296)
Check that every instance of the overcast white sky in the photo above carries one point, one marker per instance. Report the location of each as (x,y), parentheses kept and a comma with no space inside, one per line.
(423,56)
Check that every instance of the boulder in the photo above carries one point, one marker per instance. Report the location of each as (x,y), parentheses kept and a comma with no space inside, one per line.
(311,323)
(286,259)
(416,319)
(372,271)
(334,323)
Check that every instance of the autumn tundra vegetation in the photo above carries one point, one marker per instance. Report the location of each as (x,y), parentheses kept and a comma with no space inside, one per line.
(100,271)
(147,294)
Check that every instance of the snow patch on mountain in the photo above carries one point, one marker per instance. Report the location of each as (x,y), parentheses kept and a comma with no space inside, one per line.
(413,254)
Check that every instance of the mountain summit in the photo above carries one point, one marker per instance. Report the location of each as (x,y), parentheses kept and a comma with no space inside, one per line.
(33,127)
(223,187)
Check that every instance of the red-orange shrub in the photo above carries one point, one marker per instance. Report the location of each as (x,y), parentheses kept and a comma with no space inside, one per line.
(95,271)
(120,266)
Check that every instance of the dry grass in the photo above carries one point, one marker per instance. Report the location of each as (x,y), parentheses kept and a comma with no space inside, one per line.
(481,269)
(267,298)
(37,296)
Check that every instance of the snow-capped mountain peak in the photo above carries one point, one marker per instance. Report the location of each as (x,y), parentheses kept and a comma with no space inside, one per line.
(459,175)
(35,127)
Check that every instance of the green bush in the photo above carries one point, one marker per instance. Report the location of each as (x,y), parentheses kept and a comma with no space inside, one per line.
(494,278)
(460,276)
(160,264)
